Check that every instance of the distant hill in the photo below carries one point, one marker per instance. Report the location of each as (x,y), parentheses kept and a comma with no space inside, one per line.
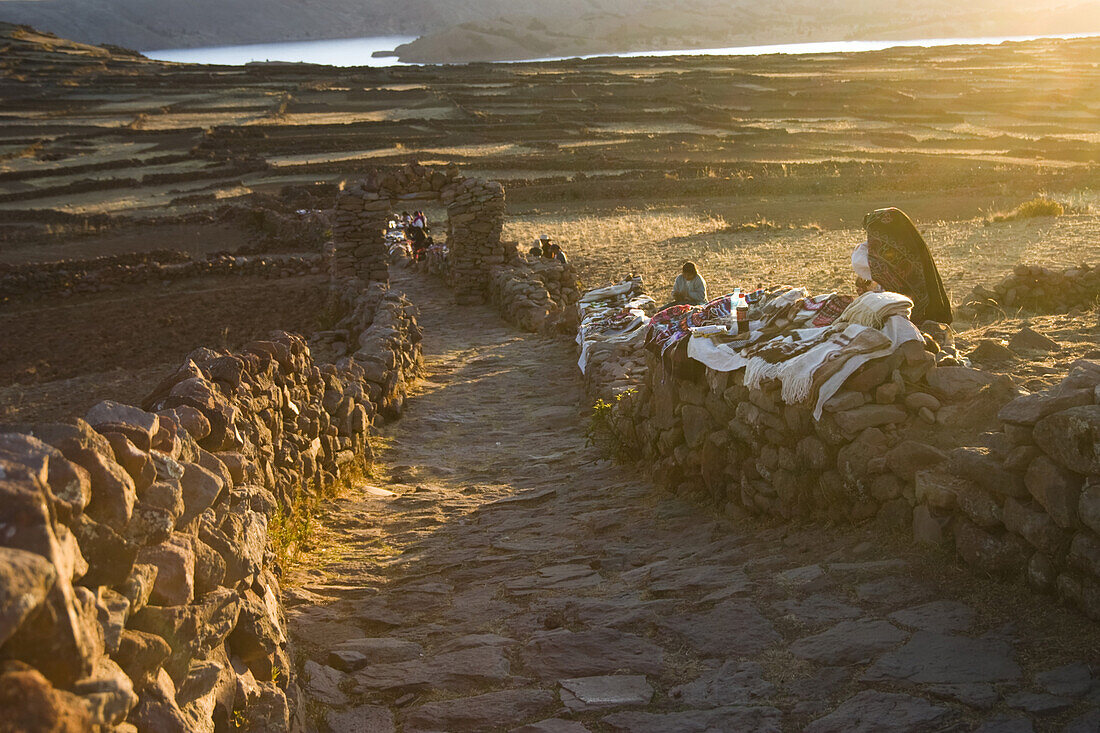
(481,30)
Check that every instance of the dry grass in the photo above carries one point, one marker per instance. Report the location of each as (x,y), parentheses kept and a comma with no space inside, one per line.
(655,243)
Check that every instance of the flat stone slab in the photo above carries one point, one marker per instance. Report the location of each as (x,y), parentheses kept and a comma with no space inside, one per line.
(939,616)
(482,712)
(818,609)
(1006,724)
(872,711)
(552,725)
(734,683)
(800,576)
(758,719)
(931,658)
(849,642)
(363,719)
(610,612)
(892,591)
(606,691)
(323,684)
(1038,703)
(732,628)
(667,576)
(562,654)
(382,650)
(1071,680)
(459,671)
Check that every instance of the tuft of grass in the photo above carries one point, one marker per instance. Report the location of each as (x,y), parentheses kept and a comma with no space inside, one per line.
(1032,209)
(291,529)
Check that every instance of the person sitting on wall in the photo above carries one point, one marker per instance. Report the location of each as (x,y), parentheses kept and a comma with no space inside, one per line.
(896,258)
(419,221)
(557,255)
(541,248)
(690,288)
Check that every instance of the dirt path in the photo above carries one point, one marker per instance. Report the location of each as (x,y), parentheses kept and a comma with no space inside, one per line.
(513,577)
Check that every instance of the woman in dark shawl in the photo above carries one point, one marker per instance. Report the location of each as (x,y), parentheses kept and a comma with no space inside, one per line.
(900,262)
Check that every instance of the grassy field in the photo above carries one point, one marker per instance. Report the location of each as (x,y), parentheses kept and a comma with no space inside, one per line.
(759,169)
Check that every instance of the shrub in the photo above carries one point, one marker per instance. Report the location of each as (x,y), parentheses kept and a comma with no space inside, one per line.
(601,430)
(1037,207)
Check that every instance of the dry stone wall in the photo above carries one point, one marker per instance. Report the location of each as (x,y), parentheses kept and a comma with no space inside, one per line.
(138,588)
(98,276)
(1040,289)
(537,295)
(475,211)
(946,454)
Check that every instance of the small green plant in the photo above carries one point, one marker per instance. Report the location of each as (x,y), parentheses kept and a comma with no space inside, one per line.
(601,430)
(1041,206)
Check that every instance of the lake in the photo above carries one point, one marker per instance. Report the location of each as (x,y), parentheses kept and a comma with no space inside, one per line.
(358,51)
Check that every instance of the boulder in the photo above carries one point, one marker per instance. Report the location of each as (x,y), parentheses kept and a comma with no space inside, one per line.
(1028,339)
(28,702)
(200,489)
(25,580)
(136,424)
(1072,438)
(853,459)
(868,416)
(1088,507)
(259,637)
(989,351)
(980,465)
(957,383)
(997,554)
(1035,526)
(108,692)
(175,562)
(1031,408)
(136,463)
(191,631)
(140,655)
(113,491)
(910,456)
(1055,488)
(110,556)
(696,420)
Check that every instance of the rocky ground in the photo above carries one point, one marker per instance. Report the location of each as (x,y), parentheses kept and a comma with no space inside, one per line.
(498,575)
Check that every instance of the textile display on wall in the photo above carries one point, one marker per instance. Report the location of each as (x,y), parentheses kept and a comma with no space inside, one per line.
(613,315)
(811,345)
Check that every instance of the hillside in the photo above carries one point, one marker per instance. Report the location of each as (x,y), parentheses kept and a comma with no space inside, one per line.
(487,30)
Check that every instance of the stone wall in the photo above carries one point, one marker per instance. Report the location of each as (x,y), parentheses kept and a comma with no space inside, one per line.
(1040,289)
(1019,498)
(116,273)
(138,587)
(537,295)
(475,211)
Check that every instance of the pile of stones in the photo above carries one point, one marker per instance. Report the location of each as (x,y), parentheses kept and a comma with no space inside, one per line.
(475,217)
(1040,289)
(138,588)
(32,281)
(538,295)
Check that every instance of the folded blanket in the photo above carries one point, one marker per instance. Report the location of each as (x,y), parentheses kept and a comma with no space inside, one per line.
(872,309)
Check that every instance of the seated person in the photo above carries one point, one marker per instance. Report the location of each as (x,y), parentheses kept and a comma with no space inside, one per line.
(557,254)
(541,248)
(896,258)
(690,288)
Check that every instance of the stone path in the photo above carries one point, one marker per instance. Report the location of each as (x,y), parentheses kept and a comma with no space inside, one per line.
(500,577)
